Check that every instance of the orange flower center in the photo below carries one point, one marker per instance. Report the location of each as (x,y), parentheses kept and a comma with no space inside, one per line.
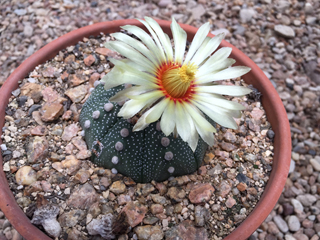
(177,81)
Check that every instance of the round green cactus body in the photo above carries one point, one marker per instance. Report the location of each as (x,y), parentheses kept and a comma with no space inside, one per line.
(144,155)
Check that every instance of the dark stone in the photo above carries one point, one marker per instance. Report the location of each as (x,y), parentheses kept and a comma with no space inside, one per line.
(7,158)
(9,112)
(6,152)
(22,100)
(299,149)
(270,134)
(33,108)
(94,4)
(312,152)
(255,94)
(241,178)
(287,209)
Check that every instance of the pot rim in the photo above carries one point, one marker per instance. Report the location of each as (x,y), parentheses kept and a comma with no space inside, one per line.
(270,99)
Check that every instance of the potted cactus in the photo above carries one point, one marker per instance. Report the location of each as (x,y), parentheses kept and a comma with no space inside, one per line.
(180,92)
(192,148)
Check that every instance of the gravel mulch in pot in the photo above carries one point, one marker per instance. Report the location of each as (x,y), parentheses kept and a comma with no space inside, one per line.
(48,167)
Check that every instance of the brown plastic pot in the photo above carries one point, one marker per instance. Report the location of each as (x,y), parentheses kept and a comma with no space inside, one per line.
(271,102)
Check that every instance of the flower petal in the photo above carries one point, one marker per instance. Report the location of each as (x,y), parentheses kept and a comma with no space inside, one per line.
(209,48)
(157,110)
(198,118)
(216,114)
(193,137)
(197,41)
(137,45)
(224,90)
(133,106)
(124,73)
(117,77)
(235,113)
(141,123)
(218,101)
(203,127)
(218,66)
(167,122)
(193,141)
(162,37)
(207,136)
(113,78)
(132,54)
(146,39)
(135,90)
(219,55)
(132,64)
(155,38)
(182,123)
(232,72)
(125,66)
(180,40)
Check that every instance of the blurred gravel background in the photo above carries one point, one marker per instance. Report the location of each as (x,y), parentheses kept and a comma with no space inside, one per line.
(281,36)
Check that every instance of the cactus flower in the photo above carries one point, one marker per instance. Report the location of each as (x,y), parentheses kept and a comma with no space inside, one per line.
(172,86)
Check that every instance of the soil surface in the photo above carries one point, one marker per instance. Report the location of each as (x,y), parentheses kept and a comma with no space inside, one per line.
(47,159)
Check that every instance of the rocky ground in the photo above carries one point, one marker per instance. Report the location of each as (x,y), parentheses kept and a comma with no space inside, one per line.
(282,37)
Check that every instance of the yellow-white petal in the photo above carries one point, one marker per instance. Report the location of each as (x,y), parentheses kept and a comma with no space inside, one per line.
(182,123)
(141,123)
(219,55)
(117,77)
(157,110)
(132,64)
(133,106)
(221,117)
(207,136)
(162,37)
(128,67)
(232,72)
(209,48)
(198,118)
(193,137)
(235,113)
(167,122)
(203,127)
(180,39)
(135,90)
(155,38)
(197,41)
(137,45)
(132,54)
(225,90)
(218,66)
(218,101)
(146,39)
(124,73)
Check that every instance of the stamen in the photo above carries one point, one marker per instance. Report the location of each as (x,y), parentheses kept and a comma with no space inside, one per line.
(176,81)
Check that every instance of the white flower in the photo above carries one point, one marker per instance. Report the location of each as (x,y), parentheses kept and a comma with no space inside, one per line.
(177,89)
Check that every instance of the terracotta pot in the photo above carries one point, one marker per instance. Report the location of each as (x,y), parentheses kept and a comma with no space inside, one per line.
(271,102)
